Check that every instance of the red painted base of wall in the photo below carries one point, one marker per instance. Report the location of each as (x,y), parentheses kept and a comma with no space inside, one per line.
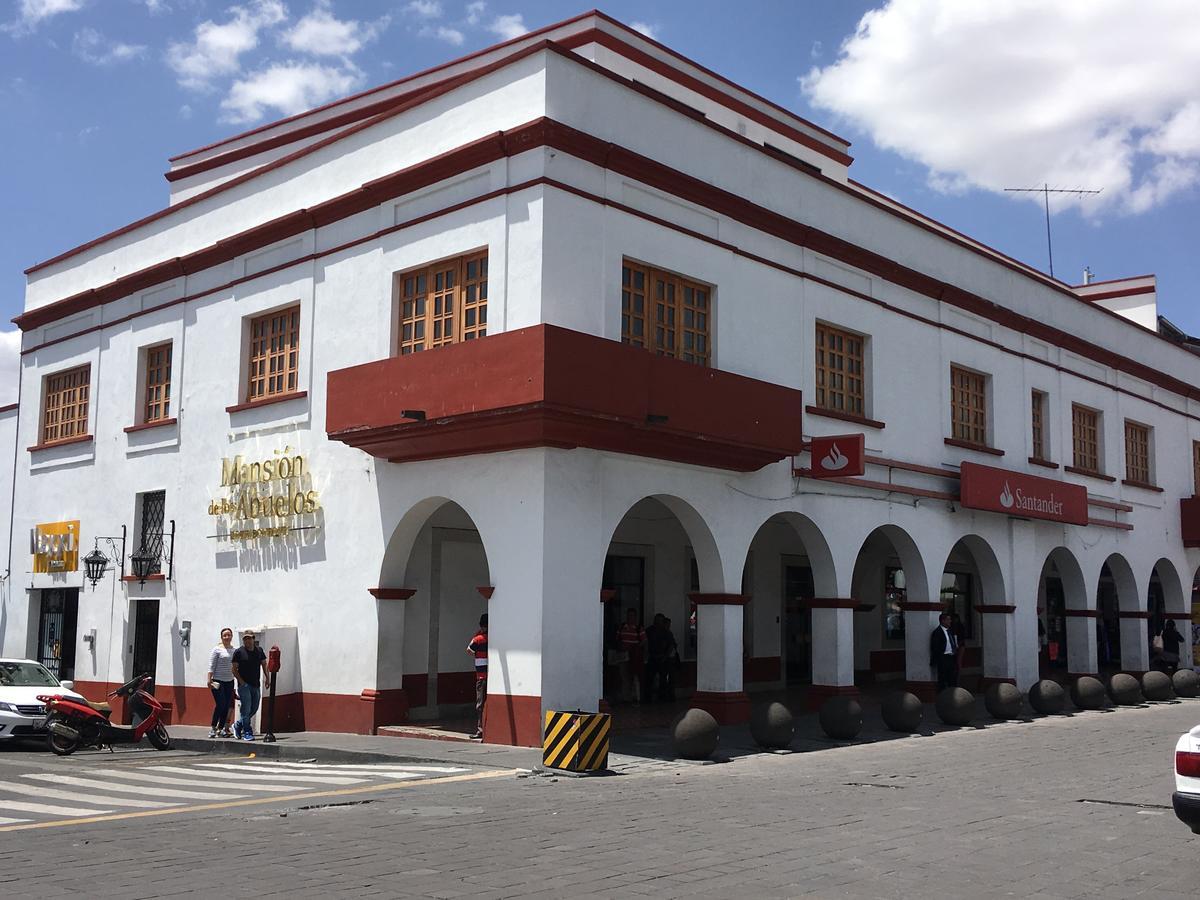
(926,691)
(758,669)
(513,719)
(819,693)
(455,687)
(726,708)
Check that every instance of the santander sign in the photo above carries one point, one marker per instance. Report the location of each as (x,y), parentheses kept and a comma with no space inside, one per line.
(1026,496)
(838,455)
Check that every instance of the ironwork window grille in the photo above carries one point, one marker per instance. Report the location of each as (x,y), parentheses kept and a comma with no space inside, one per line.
(274,363)
(65,410)
(154,505)
(1038,418)
(1137,452)
(158,383)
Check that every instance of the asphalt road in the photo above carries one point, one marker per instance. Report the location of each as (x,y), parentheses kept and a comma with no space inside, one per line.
(1068,807)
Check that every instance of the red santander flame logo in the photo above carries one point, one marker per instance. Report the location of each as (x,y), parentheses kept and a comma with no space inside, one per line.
(834,460)
(1006,497)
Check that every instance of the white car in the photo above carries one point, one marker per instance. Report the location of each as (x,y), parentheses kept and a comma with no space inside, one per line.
(21,713)
(1186,798)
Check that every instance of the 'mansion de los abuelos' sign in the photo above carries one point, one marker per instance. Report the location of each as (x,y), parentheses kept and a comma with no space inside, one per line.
(275,488)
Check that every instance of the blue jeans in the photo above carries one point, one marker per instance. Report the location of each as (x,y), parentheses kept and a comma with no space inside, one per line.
(249,696)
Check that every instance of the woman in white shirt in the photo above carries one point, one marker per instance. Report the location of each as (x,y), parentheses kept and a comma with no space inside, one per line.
(220,682)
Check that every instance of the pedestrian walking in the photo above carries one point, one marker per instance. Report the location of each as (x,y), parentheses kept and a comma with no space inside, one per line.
(632,639)
(220,682)
(1167,646)
(478,647)
(248,664)
(943,653)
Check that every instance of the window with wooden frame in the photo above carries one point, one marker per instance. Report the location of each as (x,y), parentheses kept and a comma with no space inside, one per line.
(968,406)
(443,303)
(65,404)
(839,360)
(1196,468)
(666,313)
(273,367)
(1137,453)
(1085,437)
(1037,418)
(156,403)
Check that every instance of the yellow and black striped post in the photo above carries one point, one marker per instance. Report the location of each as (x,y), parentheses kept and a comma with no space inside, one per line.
(576,741)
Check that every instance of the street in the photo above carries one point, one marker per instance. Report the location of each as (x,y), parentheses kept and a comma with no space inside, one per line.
(1058,807)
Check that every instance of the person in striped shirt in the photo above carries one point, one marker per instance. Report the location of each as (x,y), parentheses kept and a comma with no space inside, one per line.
(477,647)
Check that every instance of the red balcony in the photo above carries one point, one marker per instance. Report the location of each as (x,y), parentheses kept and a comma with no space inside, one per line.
(550,387)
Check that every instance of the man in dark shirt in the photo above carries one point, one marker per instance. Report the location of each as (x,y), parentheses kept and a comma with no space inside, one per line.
(248,663)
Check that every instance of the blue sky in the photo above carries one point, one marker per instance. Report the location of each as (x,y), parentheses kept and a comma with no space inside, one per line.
(945,103)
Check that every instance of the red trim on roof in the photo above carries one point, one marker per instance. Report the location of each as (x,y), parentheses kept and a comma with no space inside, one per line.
(1112,295)
(10,407)
(1112,281)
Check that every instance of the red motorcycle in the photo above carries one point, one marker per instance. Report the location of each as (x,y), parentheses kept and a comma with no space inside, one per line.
(73,724)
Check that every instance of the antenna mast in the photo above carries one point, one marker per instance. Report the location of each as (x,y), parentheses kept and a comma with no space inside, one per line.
(1045,190)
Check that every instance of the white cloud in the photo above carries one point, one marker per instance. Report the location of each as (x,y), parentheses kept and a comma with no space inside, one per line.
(216,49)
(424,9)
(321,33)
(1078,93)
(10,364)
(31,13)
(185,111)
(508,27)
(287,88)
(650,31)
(475,11)
(444,33)
(93,47)
(154,7)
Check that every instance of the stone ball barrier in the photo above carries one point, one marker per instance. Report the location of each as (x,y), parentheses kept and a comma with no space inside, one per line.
(1003,701)
(1088,693)
(1124,690)
(902,711)
(1048,698)
(772,726)
(841,718)
(1186,683)
(695,734)
(955,706)
(1156,686)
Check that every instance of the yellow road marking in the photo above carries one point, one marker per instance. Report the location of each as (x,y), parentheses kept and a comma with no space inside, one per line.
(259,801)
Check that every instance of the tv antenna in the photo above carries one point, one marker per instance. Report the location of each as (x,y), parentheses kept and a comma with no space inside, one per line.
(1045,190)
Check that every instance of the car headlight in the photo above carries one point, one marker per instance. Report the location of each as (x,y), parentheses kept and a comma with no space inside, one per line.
(9,707)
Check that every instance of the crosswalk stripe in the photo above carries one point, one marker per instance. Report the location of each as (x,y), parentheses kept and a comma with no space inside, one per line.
(4,821)
(171,782)
(31,790)
(219,769)
(130,789)
(254,776)
(348,768)
(21,806)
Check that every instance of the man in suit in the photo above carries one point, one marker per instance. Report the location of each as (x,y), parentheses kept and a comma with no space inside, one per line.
(943,653)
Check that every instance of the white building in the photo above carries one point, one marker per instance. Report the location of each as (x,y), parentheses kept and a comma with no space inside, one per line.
(242,364)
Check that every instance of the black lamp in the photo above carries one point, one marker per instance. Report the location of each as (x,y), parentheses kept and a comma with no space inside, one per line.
(94,565)
(142,563)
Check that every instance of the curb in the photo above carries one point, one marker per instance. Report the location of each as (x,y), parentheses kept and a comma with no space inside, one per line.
(299,753)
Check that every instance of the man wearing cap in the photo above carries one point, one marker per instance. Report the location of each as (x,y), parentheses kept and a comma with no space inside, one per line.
(248,663)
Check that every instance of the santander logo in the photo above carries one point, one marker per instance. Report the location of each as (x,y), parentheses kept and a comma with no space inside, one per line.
(1006,497)
(834,460)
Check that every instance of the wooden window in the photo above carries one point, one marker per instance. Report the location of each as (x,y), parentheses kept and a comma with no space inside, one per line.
(1196,468)
(443,303)
(666,313)
(274,363)
(1137,452)
(1037,419)
(840,382)
(65,410)
(157,404)
(1085,437)
(968,406)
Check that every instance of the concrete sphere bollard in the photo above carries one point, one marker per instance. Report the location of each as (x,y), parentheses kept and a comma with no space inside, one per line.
(1003,701)
(772,726)
(902,711)
(695,734)
(1088,693)
(1156,686)
(1047,697)
(841,718)
(1124,690)
(955,706)
(1186,683)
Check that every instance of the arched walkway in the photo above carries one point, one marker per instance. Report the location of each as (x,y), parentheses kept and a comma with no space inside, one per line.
(1121,618)
(973,592)
(1166,601)
(1067,618)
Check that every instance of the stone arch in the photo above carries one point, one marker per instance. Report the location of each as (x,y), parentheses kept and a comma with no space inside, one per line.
(1129,598)
(398,550)
(916,575)
(1070,573)
(709,565)
(1174,597)
(992,587)
(815,545)
(989,619)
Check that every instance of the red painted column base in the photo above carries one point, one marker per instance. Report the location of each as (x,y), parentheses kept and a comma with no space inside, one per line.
(926,691)
(819,693)
(512,719)
(728,708)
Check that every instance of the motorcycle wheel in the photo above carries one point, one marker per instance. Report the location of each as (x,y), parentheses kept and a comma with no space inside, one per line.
(60,745)
(159,738)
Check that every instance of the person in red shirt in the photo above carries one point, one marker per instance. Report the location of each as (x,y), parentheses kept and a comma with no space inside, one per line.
(631,638)
(478,649)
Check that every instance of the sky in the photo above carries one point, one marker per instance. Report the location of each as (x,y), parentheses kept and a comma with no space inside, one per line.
(946,105)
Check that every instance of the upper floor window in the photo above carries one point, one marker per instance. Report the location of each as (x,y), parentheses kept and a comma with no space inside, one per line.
(839,359)
(156,404)
(443,303)
(65,404)
(968,406)
(1085,437)
(1196,468)
(151,512)
(1137,453)
(274,363)
(666,313)
(1037,418)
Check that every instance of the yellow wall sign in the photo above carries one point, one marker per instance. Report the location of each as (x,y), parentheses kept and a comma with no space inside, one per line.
(55,547)
(264,498)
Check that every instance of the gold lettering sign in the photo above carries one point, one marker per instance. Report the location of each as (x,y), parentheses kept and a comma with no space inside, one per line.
(277,490)
(55,547)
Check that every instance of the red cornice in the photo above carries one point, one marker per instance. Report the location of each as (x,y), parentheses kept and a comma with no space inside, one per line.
(1112,295)
(719,599)
(1081,613)
(1113,281)
(996,608)
(829,603)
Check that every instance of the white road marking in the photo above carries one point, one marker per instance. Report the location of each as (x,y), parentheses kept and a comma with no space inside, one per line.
(292,774)
(30,790)
(128,789)
(348,768)
(241,773)
(4,821)
(172,782)
(47,809)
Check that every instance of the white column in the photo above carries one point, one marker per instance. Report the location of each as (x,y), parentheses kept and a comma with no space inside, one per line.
(719,657)
(1081,642)
(1135,643)
(999,651)
(919,621)
(832,649)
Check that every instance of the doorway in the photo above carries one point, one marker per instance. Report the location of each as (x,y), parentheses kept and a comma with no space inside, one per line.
(56,631)
(797,624)
(626,576)
(145,638)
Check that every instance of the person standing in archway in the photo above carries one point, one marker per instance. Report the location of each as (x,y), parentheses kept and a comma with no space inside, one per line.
(632,639)
(943,653)
(478,647)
